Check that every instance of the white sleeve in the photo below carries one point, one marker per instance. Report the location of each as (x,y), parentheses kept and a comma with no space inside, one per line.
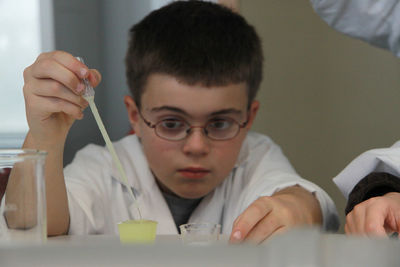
(375,160)
(374,21)
(86,192)
(274,172)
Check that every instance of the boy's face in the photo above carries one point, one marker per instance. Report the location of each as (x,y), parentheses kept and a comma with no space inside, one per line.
(194,166)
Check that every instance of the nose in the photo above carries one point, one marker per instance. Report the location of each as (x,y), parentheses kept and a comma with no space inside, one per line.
(196,143)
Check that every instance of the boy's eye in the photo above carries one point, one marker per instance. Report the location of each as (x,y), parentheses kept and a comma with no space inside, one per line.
(172,124)
(221,124)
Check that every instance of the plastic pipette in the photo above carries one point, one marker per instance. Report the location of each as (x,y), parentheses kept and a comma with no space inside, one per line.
(89,97)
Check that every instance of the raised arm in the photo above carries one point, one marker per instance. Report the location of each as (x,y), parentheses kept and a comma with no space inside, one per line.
(53,101)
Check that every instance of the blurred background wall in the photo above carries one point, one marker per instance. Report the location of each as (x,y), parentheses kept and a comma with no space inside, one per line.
(325,97)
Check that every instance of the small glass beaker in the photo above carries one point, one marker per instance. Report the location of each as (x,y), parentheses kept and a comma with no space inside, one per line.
(23,195)
(200,233)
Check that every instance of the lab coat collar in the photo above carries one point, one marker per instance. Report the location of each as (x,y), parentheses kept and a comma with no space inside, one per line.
(244,152)
(130,150)
(156,208)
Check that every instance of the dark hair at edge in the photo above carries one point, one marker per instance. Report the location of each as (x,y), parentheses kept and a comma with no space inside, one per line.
(197,43)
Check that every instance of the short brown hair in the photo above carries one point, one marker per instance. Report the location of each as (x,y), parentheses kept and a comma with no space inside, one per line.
(196,42)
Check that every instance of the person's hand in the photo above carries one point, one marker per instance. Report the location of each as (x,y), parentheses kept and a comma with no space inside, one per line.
(52,92)
(377,216)
(271,215)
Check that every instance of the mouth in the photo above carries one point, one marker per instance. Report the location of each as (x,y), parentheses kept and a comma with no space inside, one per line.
(194,173)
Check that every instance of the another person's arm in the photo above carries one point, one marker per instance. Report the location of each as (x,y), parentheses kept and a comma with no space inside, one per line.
(53,101)
(373,202)
(370,184)
(373,207)
(377,22)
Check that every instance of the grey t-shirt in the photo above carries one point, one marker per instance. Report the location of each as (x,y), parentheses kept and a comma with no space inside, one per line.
(181,208)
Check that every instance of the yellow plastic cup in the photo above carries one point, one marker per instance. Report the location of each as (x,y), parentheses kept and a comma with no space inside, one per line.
(137,231)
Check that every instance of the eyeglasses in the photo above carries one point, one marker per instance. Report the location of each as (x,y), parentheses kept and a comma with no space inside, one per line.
(175,129)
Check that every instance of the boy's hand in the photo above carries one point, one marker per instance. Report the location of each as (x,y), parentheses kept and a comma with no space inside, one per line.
(271,215)
(52,93)
(376,216)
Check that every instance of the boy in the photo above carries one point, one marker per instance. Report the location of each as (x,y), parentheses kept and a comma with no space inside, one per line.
(193,69)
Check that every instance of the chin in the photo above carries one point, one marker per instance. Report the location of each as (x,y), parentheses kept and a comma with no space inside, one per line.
(192,195)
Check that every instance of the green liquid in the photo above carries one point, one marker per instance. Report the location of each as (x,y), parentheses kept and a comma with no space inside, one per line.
(110,147)
(142,231)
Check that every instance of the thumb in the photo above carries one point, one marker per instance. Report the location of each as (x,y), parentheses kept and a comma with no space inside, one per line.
(94,77)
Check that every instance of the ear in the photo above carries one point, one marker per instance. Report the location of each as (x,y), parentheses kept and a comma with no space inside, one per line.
(252,113)
(133,113)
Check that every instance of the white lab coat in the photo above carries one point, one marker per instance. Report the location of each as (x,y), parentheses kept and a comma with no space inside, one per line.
(374,21)
(375,160)
(98,200)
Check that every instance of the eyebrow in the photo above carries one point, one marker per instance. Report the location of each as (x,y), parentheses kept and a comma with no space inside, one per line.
(178,110)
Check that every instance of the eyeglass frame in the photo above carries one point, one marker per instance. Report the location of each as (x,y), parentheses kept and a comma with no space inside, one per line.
(153,126)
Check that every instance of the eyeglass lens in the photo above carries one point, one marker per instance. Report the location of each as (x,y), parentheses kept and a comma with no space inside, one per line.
(221,129)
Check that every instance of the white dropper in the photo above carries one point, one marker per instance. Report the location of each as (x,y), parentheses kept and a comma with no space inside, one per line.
(89,97)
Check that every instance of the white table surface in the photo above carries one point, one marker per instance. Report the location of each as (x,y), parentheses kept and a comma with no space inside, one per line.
(302,247)
(160,239)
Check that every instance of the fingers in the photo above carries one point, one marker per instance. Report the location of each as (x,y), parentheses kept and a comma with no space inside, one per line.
(58,75)
(248,220)
(278,231)
(367,218)
(51,105)
(94,77)
(50,69)
(53,91)
(51,88)
(57,105)
(355,220)
(375,222)
(264,230)
(63,68)
(68,61)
